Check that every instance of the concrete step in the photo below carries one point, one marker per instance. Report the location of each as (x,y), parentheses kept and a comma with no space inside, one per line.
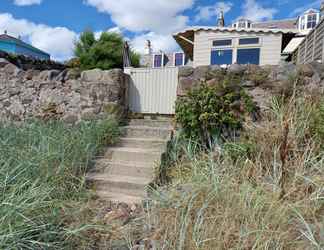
(165,123)
(144,143)
(119,198)
(135,169)
(146,132)
(128,185)
(125,154)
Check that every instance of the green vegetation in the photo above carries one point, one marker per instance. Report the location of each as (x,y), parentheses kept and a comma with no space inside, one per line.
(212,111)
(42,188)
(263,190)
(105,53)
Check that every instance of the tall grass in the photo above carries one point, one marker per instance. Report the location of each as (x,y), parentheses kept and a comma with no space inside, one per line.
(42,168)
(264,191)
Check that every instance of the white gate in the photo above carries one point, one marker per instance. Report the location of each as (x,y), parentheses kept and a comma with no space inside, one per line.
(152,91)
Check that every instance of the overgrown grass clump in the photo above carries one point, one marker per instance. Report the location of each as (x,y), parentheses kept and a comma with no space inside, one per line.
(42,168)
(264,190)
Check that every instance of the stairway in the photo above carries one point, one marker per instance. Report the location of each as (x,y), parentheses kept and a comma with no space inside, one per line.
(125,170)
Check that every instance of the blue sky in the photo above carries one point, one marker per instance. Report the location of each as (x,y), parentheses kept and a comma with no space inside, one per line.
(54,25)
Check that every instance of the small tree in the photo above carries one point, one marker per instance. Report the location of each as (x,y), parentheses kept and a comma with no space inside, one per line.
(104,53)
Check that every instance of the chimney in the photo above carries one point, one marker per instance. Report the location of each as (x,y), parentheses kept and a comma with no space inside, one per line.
(148,47)
(221,19)
(6,32)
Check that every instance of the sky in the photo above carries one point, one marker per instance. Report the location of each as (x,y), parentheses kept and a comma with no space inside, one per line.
(55,25)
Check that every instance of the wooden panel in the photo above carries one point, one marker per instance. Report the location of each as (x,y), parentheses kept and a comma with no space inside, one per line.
(153,91)
(312,48)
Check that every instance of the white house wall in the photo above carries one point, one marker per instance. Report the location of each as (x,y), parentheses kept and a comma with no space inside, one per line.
(270,45)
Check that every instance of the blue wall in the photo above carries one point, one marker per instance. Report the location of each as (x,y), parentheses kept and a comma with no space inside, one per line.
(22,50)
(18,49)
(7,47)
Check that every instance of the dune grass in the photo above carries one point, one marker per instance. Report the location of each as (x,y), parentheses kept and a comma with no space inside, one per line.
(262,191)
(42,168)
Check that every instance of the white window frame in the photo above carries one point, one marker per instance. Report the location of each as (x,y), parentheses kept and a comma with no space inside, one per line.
(303,21)
(224,46)
(162,62)
(183,59)
(256,45)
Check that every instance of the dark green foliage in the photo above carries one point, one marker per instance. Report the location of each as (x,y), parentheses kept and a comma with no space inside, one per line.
(104,53)
(42,167)
(238,150)
(210,111)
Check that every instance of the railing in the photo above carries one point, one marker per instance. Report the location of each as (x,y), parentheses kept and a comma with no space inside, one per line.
(312,48)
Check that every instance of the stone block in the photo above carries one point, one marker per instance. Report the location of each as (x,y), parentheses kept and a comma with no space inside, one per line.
(94,75)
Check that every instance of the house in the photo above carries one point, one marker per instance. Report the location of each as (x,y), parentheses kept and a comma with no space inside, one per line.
(16,46)
(161,59)
(242,42)
(247,42)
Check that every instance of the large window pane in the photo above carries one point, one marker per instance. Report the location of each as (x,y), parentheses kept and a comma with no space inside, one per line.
(220,57)
(179,59)
(246,41)
(248,56)
(311,21)
(218,43)
(157,61)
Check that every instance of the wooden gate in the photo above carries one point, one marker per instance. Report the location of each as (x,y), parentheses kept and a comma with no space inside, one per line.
(152,91)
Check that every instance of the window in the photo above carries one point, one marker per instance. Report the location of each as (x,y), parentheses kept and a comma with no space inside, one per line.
(311,21)
(220,57)
(247,41)
(221,43)
(248,56)
(179,59)
(158,61)
(241,25)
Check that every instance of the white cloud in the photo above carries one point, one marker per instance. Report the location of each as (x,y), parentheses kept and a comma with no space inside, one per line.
(161,16)
(58,41)
(206,13)
(256,12)
(300,10)
(27,2)
(165,43)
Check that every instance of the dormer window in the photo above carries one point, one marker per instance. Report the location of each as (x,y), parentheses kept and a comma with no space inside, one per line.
(308,20)
(242,24)
(311,21)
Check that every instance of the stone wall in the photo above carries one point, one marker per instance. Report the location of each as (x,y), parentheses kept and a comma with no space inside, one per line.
(60,94)
(262,83)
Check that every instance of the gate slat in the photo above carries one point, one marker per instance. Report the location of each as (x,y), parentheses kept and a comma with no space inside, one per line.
(153,91)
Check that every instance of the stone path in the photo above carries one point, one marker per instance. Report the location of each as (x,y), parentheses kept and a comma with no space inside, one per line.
(125,170)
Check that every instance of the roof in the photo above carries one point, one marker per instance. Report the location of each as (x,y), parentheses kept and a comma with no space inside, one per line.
(277,24)
(11,39)
(185,38)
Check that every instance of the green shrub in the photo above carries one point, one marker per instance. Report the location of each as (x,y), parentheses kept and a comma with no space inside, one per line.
(209,111)
(105,53)
(42,168)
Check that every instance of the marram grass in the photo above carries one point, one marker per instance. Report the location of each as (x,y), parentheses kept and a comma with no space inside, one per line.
(42,168)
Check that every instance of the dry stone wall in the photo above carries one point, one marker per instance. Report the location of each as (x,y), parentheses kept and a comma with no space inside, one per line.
(60,94)
(262,83)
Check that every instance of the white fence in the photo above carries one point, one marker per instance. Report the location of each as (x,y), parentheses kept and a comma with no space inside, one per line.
(152,91)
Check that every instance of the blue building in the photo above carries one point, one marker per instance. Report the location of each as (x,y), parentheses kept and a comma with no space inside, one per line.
(16,46)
